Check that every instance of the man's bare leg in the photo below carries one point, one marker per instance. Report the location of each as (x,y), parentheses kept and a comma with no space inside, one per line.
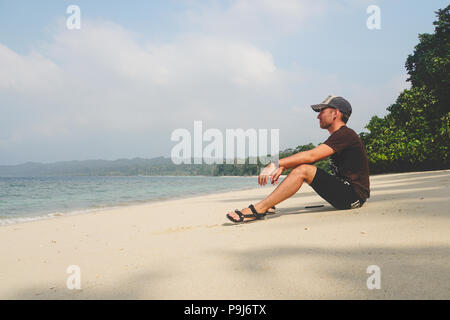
(290,185)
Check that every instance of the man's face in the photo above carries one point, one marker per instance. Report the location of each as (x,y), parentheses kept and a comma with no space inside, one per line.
(327,117)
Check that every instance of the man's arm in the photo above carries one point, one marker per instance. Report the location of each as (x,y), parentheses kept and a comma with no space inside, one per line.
(318,153)
(310,156)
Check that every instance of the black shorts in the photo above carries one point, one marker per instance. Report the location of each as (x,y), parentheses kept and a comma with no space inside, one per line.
(338,192)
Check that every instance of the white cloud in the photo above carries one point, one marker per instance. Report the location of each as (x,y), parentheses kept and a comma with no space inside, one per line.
(103,81)
(105,92)
(27,73)
(254,19)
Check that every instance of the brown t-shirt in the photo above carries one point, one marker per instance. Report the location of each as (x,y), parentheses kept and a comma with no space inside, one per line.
(350,160)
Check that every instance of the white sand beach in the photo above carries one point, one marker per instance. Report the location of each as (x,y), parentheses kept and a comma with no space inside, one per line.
(187,249)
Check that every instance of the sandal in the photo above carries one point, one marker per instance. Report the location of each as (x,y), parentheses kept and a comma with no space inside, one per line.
(271,210)
(242,216)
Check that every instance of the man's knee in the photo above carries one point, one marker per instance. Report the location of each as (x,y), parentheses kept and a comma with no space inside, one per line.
(305,171)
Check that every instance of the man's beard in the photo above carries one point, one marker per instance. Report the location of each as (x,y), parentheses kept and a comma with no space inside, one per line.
(325,125)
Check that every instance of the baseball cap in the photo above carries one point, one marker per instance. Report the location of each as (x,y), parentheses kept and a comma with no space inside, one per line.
(334,102)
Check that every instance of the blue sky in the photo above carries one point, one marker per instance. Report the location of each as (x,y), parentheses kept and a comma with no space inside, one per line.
(136,71)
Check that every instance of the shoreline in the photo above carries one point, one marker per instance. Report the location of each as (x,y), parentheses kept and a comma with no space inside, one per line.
(58,215)
(77,211)
(90,210)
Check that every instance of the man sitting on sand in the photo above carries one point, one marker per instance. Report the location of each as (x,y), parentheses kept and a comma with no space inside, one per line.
(346,188)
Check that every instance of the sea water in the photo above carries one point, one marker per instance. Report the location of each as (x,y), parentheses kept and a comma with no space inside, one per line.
(31,198)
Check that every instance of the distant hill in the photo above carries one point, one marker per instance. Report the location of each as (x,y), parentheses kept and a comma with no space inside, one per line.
(122,167)
(159,166)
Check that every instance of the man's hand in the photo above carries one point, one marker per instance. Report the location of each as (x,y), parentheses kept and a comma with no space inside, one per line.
(270,170)
(276,175)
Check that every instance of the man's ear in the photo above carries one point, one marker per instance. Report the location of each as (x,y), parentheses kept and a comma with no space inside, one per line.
(339,114)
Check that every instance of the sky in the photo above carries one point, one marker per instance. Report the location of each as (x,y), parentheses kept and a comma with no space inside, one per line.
(136,71)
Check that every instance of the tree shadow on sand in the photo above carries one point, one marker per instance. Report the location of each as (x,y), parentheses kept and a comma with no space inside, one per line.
(407,272)
(134,287)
